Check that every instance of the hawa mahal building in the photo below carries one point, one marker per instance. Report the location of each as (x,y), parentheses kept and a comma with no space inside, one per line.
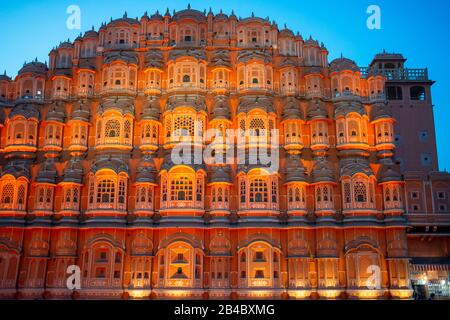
(87,177)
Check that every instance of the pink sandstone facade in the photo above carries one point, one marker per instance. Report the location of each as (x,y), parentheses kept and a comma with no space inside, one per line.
(87,178)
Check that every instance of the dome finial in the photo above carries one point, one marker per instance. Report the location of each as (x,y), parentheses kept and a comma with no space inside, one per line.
(189,6)
(93,28)
(125,15)
(253,14)
(285,26)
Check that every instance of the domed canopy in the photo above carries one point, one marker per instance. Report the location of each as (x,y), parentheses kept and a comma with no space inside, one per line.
(311,42)
(381,111)
(189,14)
(168,163)
(351,167)
(112,163)
(86,64)
(249,103)
(287,33)
(4,77)
(81,111)
(154,59)
(47,172)
(91,34)
(146,172)
(198,55)
(28,111)
(34,67)
(195,101)
(56,112)
(344,108)
(17,168)
(127,57)
(73,172)
(316,110)
(65,45)
(123,105)
(342,64)
(388,173)
(156,16)
(221,58)
(291,110)
(151,109)
(220,174)
(221,108)
(247,55)
(63,72)
(323,171)
(295,171)
(124,19)
(220,16)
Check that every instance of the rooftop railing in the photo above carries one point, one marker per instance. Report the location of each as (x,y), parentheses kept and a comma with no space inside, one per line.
(397,74)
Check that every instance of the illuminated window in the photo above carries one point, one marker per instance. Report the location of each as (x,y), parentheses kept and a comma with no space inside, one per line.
(181,189)
(106,191)
(258,190)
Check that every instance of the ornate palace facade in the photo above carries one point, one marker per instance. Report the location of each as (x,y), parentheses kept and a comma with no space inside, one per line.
(87,177)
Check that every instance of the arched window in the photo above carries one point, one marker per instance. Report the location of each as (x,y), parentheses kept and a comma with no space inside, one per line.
(417,93)
(144,197)
(360,192)
(13,193)
(106,190)
(394,93)
(258,190)
(7,194)
(112,129)
(181,189)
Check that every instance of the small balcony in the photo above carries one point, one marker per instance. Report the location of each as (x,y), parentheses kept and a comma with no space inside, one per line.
(346,96)
(314,93)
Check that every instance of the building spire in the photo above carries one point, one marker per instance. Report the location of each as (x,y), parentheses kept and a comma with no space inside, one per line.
(189,6)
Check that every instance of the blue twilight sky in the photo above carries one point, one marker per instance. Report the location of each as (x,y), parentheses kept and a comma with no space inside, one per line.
(418,29)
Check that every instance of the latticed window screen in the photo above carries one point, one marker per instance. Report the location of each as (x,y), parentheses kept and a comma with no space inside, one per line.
(121,192)
(387,193)
(50,132)
(274,191)
(181,189)
(19,131)
(347,193)
(40,198)
(91,192)
(257,127)
(242,191)
(127,129)
(258,190)
(21,195)
(31,130)
(49,195)
(242,127)
(168,126)
(7,193)
(106,191)
(199,190)
(184,124)
(360,191)
(325,194)
(99,129)
(142,195)
(146,132)
(112,129)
